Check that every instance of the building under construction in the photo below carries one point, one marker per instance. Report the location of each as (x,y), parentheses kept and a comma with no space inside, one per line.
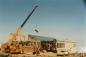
(20,43)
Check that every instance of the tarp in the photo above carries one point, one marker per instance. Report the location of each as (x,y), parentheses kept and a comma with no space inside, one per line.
(42,38)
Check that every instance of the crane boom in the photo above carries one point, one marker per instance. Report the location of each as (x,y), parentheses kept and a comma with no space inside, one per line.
(28,17)
(22,25)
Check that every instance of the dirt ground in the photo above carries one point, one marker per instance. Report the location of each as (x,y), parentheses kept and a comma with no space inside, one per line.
(45,54)
(49,54)
(54,55)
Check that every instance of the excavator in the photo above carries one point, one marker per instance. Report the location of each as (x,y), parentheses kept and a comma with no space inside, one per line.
(18,47)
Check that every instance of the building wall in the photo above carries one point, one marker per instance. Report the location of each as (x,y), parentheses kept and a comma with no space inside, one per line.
(70,47)
(66,47)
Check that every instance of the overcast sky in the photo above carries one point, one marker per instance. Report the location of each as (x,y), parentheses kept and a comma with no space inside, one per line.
(61,19)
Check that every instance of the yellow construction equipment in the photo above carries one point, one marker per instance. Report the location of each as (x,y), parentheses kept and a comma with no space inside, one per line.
(15,46)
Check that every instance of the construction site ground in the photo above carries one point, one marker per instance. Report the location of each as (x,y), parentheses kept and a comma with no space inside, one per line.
(48,54)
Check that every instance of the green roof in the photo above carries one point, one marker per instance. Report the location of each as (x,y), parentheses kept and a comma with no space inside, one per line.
(42,38)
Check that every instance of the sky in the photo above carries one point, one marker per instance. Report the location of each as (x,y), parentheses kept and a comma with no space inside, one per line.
(60,19)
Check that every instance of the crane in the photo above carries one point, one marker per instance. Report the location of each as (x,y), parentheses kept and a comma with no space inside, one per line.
(7,47)
(14,36)
(22,25)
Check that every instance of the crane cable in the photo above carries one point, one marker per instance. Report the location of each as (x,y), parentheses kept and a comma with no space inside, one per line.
(37,3)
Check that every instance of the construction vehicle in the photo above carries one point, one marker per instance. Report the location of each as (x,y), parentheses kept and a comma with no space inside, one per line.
(18,47)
